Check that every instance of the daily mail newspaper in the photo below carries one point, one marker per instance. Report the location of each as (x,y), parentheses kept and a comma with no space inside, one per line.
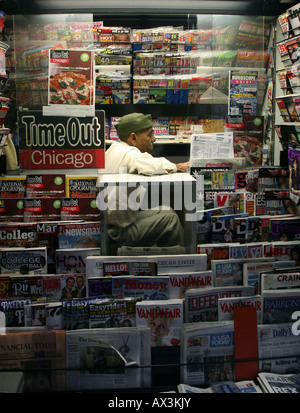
(278,348)
(202,304)
(97,359)
(207,353)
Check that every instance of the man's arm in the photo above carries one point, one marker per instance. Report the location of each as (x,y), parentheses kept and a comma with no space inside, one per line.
(181,167)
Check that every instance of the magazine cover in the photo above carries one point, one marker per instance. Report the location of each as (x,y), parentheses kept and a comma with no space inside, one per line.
(201,304)
(81,208)
(164,318)
(45,185)
(12,186)
(71,77)
(23,260)
(11,210)
(18,235)
(222,228)
(72,260)
(113,313)
(248,139)
(243,88)
(180,283)
(81,186)
(226,306)
(79,234)
(147,288)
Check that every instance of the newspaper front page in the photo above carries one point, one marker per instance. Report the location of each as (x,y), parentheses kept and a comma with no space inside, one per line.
(112,358)
(278,348)
(207,353)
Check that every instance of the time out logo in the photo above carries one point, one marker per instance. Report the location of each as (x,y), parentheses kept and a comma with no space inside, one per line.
(61,142)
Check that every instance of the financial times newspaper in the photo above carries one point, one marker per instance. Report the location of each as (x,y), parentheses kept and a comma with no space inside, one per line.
(108,358)
(207,353)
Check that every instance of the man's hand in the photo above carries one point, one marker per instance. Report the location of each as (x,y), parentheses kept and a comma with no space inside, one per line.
(181,167)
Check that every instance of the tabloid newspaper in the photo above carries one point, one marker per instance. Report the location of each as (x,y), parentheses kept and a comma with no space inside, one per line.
(202,304)
(207,353)
(179,283)
(226,306)
(165,263)
(164,318)
(279,305)
(278,348)
(97,359)
(41,355)
(279,383)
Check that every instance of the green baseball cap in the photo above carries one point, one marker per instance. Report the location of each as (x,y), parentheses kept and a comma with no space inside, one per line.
(134,122)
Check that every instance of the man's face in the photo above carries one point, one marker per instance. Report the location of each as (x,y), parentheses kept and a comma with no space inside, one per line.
(144,140)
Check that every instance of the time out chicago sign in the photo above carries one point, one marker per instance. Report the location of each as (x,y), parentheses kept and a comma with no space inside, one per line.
(48,142)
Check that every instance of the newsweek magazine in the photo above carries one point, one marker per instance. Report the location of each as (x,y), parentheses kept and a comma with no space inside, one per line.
(201,304)
(97,359)
(207,353)
(278,348)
